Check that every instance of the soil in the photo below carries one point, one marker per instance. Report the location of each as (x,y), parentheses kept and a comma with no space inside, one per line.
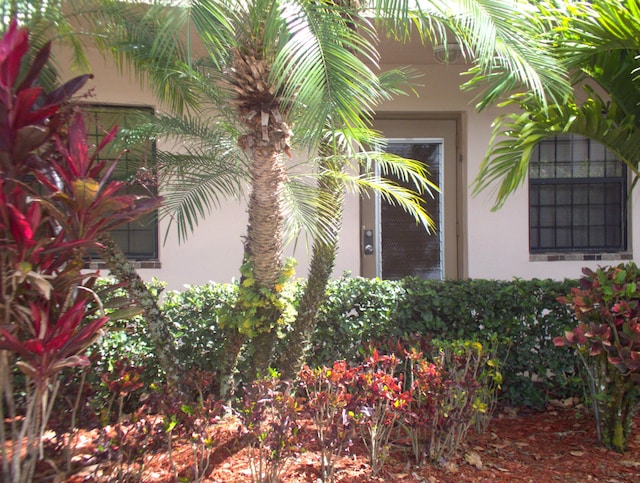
(555,444)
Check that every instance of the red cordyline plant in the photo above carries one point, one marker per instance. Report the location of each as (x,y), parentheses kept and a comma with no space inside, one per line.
(607,339)
(55,200)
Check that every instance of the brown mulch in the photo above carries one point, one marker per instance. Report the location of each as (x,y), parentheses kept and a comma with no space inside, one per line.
(558,444)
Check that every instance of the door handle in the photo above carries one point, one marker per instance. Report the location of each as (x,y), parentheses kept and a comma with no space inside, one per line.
(367,241)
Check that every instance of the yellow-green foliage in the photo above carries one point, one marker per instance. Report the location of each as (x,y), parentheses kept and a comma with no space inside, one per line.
(261,309)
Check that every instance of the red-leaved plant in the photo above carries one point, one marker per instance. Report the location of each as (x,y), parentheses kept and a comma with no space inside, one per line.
(269,414)
(607,339)
(381,401)
(55,200)
(331,405)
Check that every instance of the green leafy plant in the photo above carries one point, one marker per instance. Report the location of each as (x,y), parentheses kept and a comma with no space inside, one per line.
(248,315)
(454,386)
(456,402)
(607,339)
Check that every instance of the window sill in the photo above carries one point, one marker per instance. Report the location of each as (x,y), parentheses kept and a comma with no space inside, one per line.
(579,257)
(137,264)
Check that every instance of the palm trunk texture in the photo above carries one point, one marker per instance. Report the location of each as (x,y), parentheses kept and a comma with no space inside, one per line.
(157,323)
(320,270)
(263,248)
(264,244)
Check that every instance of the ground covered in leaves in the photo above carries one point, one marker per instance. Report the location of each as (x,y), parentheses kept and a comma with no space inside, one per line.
(555,444)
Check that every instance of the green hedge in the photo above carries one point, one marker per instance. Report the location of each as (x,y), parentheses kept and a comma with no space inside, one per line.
(522,313)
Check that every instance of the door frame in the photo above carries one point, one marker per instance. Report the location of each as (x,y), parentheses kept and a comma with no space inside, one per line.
(460,197)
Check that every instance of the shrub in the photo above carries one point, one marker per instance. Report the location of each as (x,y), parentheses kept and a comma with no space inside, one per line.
(453,385)
(194,315)
(381,402)
(607,339)
(332,407)
(269,412)
(357,310)
(521,314)
(56,199)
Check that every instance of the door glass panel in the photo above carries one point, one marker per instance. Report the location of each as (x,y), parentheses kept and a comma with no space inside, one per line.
(407,249)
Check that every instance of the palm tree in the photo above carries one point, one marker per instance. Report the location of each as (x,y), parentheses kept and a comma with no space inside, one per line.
(242,58)
(599,42)
(276,62)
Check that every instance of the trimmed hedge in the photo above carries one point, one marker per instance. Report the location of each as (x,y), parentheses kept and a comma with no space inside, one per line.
(523,314)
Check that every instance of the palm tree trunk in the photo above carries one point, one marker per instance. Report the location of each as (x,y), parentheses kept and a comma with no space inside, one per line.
(263,249)
(264,245)
(157,323)
(320,270)
(227,366)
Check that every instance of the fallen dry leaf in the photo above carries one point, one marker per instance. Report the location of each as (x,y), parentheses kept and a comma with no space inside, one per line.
(473,458)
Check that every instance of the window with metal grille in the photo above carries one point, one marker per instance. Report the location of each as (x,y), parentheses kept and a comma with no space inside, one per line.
(138,239)
(577,197)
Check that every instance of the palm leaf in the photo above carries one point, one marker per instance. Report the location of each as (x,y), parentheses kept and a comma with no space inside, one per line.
(510,42)
(370,181)
(508,164)
(321,65)
(197,167)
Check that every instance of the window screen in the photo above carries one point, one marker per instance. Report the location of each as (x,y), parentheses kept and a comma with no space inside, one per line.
(577,197)
(138,239)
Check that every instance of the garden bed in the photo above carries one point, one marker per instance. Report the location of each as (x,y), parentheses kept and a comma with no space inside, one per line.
(556,444)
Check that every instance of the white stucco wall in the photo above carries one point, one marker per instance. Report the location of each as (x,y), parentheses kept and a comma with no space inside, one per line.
(214,250)
(497,241)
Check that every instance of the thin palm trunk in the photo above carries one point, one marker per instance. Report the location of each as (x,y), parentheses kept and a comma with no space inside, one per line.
(320,270)
(157,323)
(227,366)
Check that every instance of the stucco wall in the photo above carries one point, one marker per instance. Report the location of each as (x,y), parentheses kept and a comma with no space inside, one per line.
(497,242)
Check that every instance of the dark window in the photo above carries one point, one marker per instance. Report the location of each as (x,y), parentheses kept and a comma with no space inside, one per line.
(407,249)
(577,197)
(138,239)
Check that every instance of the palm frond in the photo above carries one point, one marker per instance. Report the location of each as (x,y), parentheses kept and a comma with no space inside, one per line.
(216,23)
(306,209)
(587,28)
(410,172)
(396,82)
(321,66)
(507,164)
(391,192)
(510,43)
(149,41)
(199,187)
(197,166)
